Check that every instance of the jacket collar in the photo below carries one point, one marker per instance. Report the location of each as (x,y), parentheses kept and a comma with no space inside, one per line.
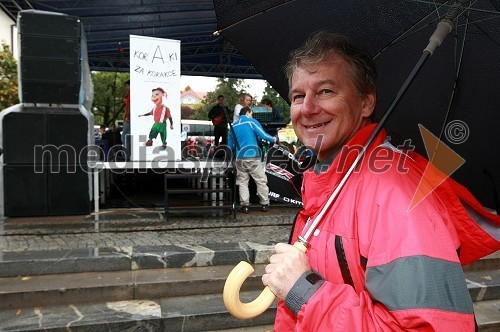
(322,179)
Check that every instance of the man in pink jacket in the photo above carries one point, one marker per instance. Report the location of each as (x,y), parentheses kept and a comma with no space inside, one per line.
(376,262)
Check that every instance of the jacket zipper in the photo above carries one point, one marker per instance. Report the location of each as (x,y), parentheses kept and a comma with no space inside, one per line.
(344,267)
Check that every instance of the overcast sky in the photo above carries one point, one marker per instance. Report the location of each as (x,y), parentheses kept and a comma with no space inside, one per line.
(207,84)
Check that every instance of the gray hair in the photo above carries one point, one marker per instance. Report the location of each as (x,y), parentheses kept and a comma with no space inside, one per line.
(323,43)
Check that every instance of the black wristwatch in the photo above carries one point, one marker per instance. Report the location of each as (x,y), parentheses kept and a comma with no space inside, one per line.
(313,278)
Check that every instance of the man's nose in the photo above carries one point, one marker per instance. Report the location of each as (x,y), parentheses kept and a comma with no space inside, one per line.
(310,106)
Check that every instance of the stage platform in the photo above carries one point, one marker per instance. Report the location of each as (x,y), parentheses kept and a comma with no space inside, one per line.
(102,172)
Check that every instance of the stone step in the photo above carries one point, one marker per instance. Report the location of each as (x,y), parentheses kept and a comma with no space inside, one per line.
(128,258)
(261,328)
(489,262)
(125,220)
(488,315)
(184,313)
(43,290)
(483,285)
(100,259)
(47,290)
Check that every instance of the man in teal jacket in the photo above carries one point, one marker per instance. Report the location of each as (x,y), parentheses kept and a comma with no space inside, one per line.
(248,158)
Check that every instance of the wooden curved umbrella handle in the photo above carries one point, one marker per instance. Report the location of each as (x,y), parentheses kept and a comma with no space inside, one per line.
(231,294)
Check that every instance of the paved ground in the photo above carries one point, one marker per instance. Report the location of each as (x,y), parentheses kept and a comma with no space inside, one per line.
(141,227)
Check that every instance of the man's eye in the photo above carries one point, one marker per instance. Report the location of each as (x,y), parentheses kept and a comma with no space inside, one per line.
(324,93)
(297,98)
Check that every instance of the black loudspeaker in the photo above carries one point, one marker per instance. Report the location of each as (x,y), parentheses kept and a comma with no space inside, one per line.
(21,133)
(50,57)
(45,158)
(39,135)
(68,191)
(25,192)
(37,22)
(45,191)
(69,129)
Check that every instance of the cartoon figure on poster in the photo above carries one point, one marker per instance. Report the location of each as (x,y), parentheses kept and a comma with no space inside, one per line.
(160,113)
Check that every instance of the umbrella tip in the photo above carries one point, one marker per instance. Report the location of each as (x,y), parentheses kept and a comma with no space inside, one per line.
(217,33)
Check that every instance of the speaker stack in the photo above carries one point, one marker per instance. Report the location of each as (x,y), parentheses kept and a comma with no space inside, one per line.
(44,139)
(50,58)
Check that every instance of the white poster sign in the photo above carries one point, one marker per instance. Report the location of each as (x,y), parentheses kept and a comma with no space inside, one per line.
(155,105)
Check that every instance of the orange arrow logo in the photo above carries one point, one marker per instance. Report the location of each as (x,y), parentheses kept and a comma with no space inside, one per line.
(443,161)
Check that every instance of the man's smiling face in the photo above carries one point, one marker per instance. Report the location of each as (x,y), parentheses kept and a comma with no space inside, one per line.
(326,108)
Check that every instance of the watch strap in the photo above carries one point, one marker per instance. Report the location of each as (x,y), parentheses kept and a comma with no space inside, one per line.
(303,289)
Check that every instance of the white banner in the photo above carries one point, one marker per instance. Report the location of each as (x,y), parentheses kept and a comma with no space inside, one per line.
(155,71)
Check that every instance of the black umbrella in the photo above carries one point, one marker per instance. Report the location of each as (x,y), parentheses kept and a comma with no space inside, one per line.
(454,96)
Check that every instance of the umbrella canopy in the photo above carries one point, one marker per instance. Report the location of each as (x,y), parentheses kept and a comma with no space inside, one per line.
(455,95)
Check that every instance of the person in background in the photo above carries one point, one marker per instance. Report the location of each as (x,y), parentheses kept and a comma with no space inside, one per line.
(377,261)
(218,116)
(248,158)
(245,100)
(201,145)
(102,141)
(275,117)
(113,136)
(102,130)
(126,120)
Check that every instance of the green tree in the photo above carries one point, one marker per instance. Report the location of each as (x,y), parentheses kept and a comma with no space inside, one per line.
(230,88)
(278,102)
(8,78)
(109,91)
(187,112)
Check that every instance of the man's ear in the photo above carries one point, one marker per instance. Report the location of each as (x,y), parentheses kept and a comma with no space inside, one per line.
(368,104)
